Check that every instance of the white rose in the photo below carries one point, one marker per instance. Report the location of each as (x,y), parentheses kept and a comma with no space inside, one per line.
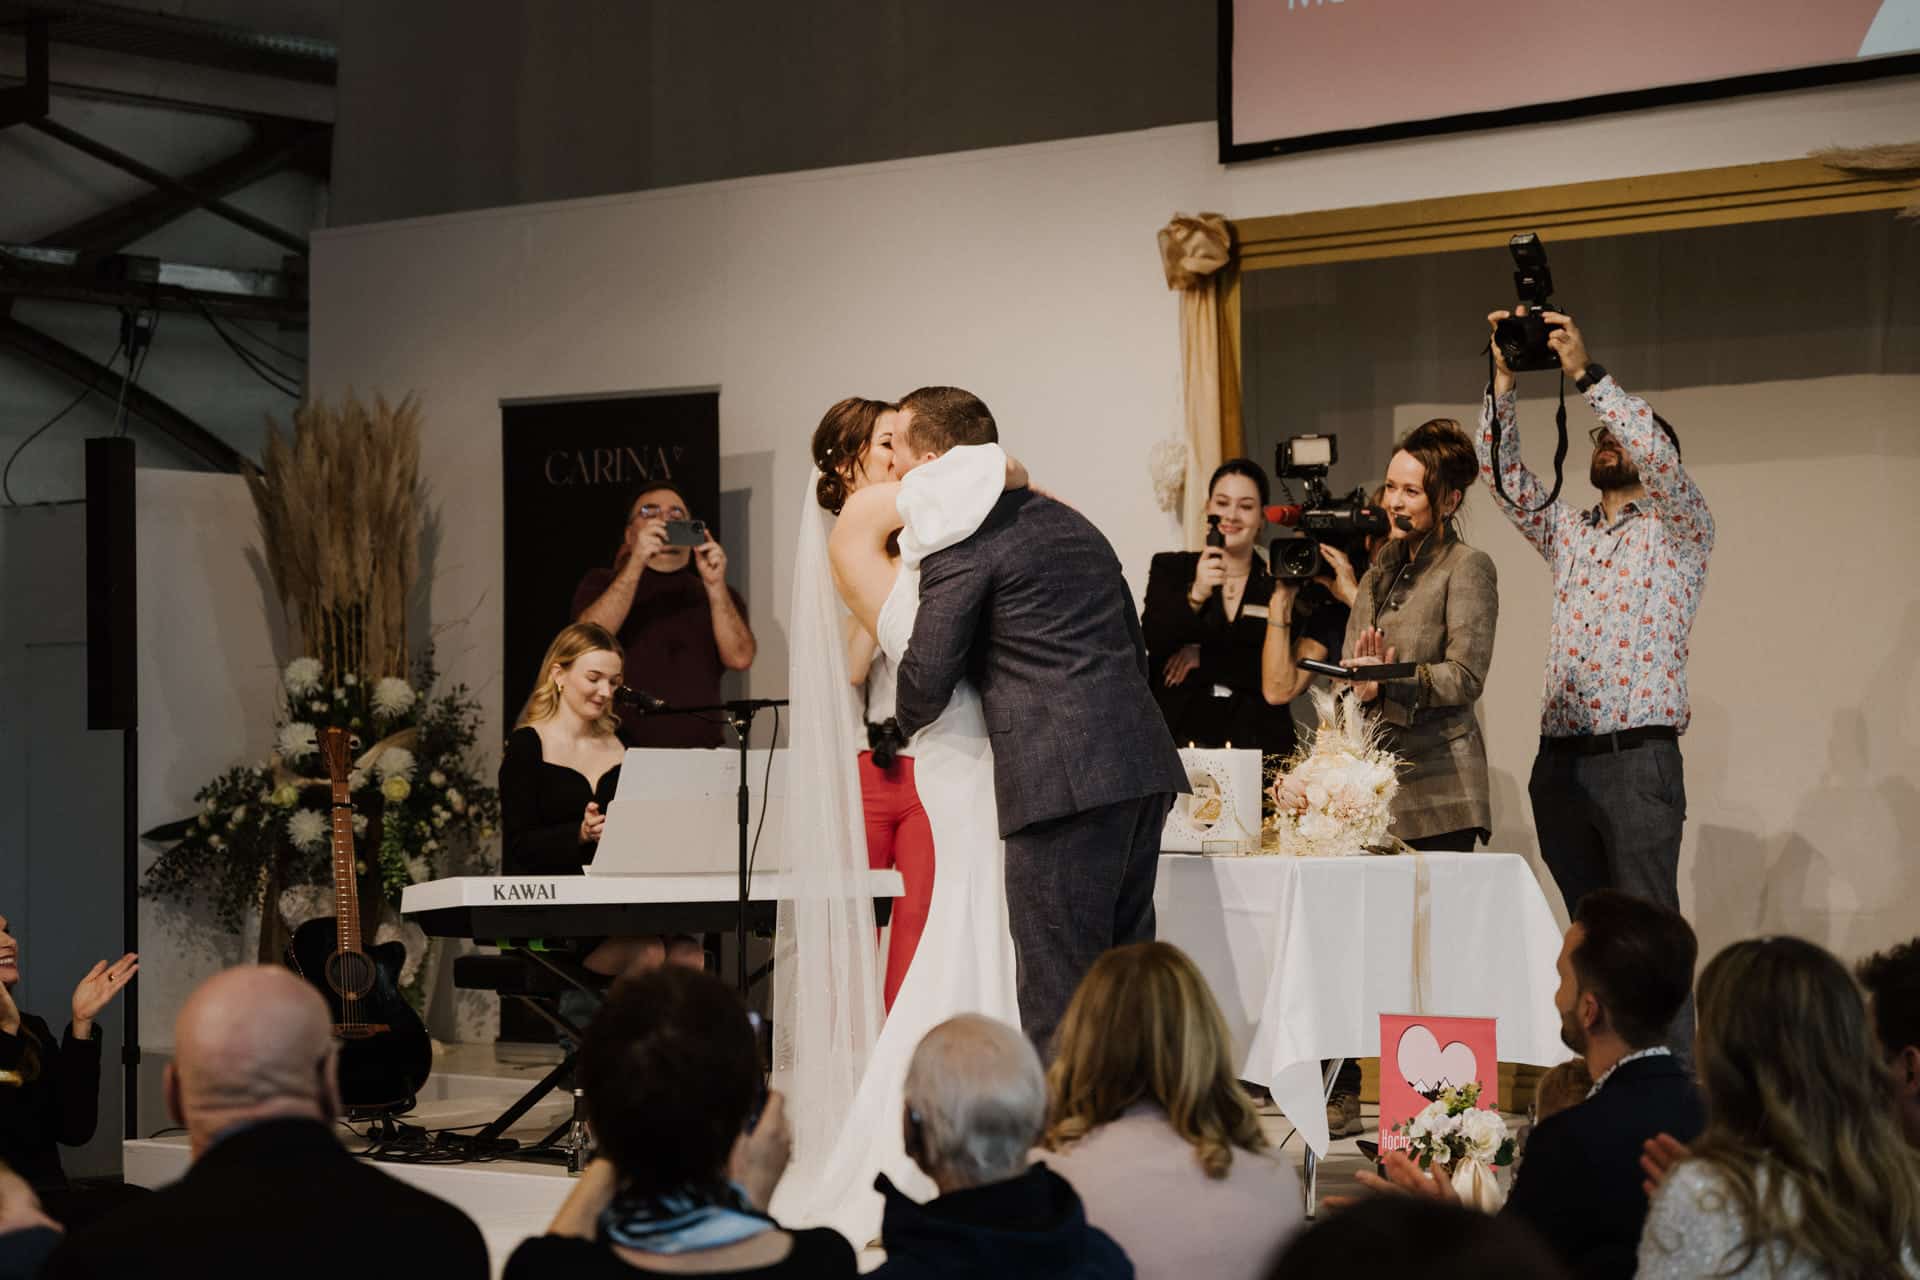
(1484,1131)
(317,706)
(437,778)
(351,679)
(419,870)
(456,801)
(216,842)
(238,816)
(302,676)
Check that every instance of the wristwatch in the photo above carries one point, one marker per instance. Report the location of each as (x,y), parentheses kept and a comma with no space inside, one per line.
(1588,376)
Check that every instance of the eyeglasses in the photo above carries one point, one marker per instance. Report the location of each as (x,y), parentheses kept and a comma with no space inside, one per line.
(653,511)
(1600,435)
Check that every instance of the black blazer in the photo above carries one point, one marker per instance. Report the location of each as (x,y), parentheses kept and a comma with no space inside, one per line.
(60,1104)
(281,1198)
(1033,607)
(1579,1186)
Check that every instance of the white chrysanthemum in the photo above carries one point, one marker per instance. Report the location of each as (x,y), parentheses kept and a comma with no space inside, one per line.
(359,824)
(357,779)
(392,696)
(307,829)
(394,762)
(298,740)
(419,870)
(303,676)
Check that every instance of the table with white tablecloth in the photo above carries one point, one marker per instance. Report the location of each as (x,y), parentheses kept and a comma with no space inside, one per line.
(1305,954)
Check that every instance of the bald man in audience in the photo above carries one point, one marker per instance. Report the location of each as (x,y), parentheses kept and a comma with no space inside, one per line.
(272,1191)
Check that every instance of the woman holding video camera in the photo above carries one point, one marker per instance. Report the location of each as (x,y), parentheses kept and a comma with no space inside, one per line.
(1432,600)
(1208,620)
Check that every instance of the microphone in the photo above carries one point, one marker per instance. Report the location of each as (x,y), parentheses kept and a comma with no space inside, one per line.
(1404,523)
(626,695)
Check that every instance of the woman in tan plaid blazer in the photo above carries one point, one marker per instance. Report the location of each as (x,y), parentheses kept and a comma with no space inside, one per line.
(1430,599)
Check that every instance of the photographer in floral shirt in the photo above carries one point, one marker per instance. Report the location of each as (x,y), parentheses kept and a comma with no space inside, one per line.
(1609,799)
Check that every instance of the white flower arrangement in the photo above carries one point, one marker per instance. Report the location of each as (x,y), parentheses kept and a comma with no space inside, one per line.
(1337,798)
(302,676)
(307,829)
(298,740)
(394,762)
(392,697)
(1454,1137)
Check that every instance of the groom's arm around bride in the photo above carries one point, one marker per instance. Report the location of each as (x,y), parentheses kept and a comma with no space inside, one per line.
(1035,610)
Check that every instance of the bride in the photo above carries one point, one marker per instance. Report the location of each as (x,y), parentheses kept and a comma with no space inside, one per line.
(842,1068)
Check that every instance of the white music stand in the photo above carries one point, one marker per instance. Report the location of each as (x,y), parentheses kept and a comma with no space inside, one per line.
(677,812)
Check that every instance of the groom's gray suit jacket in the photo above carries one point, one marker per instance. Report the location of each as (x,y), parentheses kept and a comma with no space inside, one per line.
(1034,610)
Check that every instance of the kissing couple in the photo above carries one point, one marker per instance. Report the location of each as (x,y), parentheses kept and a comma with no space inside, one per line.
(1000,637)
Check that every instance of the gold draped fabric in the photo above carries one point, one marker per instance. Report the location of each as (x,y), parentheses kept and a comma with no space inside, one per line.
(1196,252)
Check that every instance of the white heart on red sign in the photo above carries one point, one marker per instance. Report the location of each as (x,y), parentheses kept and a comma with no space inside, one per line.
(1427,1067)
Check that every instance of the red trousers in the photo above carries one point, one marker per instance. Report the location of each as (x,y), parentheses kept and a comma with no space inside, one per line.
(899,837)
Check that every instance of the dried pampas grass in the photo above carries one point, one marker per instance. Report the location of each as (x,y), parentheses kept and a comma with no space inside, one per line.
(339,505)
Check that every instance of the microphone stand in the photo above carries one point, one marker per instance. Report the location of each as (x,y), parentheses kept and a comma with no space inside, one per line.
(739,713)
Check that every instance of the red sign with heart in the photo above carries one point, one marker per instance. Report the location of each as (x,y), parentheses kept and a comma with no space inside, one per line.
(1421,1055)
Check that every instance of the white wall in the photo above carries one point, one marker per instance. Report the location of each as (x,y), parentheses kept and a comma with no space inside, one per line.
(1027,274)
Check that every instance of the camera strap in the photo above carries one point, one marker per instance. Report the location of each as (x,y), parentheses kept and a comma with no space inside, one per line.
(1559,449)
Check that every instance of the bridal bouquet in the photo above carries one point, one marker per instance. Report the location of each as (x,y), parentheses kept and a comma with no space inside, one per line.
(1337,798)
(1465,1141)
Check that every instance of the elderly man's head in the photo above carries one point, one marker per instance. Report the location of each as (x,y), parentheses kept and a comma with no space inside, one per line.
(976,1100)
(252,1043)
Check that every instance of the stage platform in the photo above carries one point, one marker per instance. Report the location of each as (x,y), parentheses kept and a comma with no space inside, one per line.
(512,1199)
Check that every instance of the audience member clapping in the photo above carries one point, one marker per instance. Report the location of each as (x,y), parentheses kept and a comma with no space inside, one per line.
(1801,1170)
(1625,968)
(254,1080)
(1402,1236)
(976,1101)
(1150,1125)
(689,1155)
(1892,980)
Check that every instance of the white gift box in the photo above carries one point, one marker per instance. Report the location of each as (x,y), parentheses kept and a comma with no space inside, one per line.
(1223,813)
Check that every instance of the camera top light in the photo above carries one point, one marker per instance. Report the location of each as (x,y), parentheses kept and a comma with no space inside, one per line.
(1310,451)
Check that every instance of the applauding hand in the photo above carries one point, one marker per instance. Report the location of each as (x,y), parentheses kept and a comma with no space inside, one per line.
(1371,650)
(98,988)
(592,824)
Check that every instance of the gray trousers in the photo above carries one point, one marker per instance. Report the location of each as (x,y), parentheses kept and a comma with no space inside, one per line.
(1613,821)
(1077,886)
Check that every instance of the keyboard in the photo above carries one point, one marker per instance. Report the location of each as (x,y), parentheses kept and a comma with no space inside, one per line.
(494,907)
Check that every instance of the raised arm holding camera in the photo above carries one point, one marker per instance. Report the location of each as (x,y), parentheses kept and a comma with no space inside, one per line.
(1609,798)
(680,625)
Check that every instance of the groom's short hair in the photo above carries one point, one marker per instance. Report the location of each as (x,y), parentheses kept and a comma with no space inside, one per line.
(944,417)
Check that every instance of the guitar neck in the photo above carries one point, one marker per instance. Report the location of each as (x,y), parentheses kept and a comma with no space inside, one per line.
(346,901)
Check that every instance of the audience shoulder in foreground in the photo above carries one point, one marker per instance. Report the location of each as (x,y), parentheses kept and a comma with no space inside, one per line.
(1147,1120)
(1406,1235)
(671,1074)
(976,1102)
(1802,1170)
(271,1189)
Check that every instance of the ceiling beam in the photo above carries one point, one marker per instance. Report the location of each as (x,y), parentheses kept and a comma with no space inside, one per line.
(274,148)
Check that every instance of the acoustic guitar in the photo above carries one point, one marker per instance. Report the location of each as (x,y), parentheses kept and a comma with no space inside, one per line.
(384,1051)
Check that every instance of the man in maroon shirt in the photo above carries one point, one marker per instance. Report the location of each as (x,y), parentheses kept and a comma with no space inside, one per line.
(680,623)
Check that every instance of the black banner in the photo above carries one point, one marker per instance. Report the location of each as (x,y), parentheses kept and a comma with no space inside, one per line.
(571,470)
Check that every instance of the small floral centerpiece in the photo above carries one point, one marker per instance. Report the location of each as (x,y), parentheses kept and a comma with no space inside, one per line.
(1466,1142)
(1335,799)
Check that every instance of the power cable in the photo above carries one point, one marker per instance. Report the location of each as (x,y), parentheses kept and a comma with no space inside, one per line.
(6,474)
(275,378)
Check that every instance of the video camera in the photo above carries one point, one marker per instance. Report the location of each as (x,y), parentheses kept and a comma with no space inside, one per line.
(1522,339)
(1295,555)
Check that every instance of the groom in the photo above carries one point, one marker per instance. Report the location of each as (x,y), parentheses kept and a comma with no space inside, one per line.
(1034,610)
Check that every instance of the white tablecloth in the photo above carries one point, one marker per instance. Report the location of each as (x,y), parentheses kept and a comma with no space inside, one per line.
(1305,954)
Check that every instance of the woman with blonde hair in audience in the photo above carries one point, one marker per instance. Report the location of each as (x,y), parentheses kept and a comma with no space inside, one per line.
(1149,1123)
(1802,1170)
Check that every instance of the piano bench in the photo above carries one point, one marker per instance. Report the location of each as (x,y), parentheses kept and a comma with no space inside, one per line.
(515,974)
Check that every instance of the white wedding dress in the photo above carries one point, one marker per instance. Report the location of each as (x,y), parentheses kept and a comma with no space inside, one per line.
(964,961)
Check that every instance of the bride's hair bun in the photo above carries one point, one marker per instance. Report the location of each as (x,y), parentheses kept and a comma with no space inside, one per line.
(839,442)
(831,491)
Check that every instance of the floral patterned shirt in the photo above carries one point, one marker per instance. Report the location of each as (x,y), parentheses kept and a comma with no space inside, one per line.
(1625,590)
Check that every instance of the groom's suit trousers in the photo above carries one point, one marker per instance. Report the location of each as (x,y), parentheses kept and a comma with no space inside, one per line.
(1077,886)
